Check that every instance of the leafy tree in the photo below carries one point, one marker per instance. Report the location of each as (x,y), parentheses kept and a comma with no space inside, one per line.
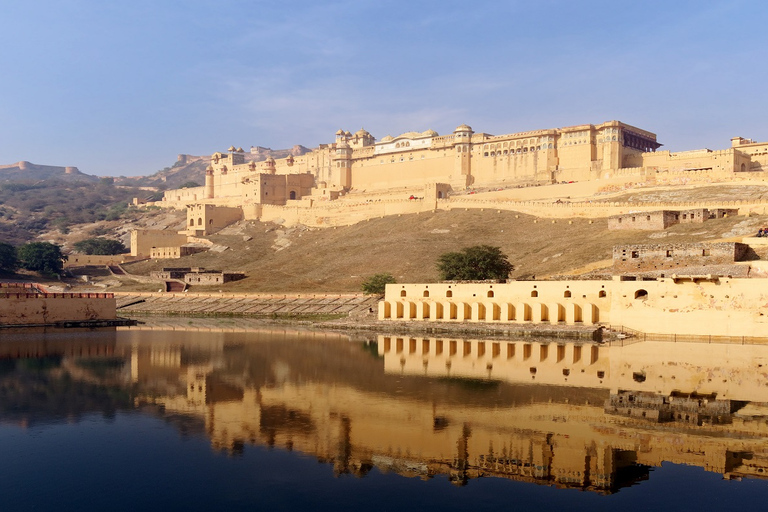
(100,246)
(474,264)
(8,260)
(43,257)
(190,184)
(376,284)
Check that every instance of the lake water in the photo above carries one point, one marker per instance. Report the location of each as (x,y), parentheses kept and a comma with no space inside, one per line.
(288,420)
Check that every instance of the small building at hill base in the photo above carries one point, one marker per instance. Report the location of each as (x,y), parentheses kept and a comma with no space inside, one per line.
(649,257)
(662,219)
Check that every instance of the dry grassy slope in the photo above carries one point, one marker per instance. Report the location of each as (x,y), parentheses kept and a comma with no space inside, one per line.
(331,260)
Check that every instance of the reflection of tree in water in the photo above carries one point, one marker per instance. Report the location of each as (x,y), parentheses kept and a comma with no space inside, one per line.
(40,390)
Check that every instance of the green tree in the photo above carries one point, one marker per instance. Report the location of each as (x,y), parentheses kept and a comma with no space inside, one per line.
(100,246)
(474,264)
(43,257)
(376,284)
(190,184)
(8,260)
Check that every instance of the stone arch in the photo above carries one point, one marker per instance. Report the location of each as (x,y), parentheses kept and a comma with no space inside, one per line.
(453,311)
(540,313)
(438,311)
(495,312)
(478,312)
(292,194)
(425,311)
(576,315)
(556,313)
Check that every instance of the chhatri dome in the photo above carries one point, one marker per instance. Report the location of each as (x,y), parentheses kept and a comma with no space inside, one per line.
(463,128)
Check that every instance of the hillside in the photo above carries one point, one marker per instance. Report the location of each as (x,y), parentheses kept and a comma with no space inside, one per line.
(299,259)
(29,172)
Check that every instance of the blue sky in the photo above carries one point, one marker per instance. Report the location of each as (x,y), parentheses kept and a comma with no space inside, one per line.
(120,88)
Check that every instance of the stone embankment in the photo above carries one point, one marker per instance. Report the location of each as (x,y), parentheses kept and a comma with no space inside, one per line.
(330,312)
(241,304)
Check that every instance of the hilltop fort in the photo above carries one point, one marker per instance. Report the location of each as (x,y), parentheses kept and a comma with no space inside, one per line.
(359,170)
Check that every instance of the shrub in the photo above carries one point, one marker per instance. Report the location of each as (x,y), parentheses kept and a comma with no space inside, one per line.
(376,284)
(100,246)
(43,257)
(474,263)
(8,260)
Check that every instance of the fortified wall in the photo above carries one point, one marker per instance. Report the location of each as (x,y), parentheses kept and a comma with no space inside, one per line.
(50,308)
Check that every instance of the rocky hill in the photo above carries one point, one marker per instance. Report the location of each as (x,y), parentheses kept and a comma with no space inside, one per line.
(29,172)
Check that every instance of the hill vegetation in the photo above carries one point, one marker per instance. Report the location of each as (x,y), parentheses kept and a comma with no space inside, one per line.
(29,208)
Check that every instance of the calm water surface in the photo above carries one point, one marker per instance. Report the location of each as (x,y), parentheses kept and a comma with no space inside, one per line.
(290,420)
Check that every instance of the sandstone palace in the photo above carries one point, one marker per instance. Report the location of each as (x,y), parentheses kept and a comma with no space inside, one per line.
(356,168)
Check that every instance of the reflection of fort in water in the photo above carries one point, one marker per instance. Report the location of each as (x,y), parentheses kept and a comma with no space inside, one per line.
(558,413)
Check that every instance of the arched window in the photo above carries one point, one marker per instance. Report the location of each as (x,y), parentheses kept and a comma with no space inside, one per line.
(200,221)
(292,195)
(567,294)
(449,293)
(426,293)
(534,293)
(641,294)
(402,293)
(191,222)
(490,293)
(601,293)
(210,222)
